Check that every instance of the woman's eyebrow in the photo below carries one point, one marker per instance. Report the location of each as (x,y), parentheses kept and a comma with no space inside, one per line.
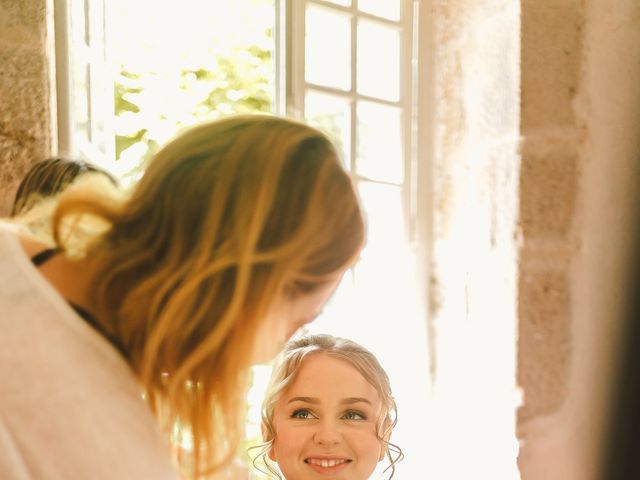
(351,400)
(304,399)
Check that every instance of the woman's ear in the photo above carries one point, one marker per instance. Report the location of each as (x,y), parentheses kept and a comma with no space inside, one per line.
(384,441)
(265,438)
(272,454)
(383,451)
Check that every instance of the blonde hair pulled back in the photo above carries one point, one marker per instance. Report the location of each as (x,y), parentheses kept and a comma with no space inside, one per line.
(285,372)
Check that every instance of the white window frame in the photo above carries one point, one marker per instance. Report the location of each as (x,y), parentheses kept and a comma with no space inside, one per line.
(415,82)
(290,79)
(91,56)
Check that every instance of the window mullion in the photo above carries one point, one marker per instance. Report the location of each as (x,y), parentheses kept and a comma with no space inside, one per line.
(409,86)
(354,88)
(281,50)
(63,77)
(295,58)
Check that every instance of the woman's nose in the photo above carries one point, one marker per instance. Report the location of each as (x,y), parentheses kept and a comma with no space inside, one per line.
(327,434)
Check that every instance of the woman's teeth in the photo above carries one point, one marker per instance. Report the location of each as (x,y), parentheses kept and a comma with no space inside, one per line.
(326,463)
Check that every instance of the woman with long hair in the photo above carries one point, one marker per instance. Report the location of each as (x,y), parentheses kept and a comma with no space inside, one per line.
(156,305)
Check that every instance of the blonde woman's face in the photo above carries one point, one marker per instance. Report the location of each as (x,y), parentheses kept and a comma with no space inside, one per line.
(293,314)
(325,423)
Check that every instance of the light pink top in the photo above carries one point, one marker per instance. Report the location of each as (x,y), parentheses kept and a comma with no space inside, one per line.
(70,407)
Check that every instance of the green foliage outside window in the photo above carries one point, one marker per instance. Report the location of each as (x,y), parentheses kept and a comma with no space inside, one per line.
(178,65)
(237,85)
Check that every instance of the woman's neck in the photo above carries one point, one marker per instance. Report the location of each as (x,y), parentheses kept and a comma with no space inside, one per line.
(72,278)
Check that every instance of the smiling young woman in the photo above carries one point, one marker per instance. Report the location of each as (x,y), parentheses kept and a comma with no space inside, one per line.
(328,410)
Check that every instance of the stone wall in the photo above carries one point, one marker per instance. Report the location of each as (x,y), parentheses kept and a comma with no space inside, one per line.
(579,195)
(25,91)
(551,46)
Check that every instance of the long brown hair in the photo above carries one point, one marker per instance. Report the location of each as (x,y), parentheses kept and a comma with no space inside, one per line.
(229,219)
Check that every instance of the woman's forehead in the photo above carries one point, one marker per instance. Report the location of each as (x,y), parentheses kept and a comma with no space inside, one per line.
(327,377)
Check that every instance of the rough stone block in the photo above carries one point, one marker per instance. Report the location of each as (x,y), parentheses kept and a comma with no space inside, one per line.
(544,345)
(16,158)
(551,52)
(25,117)
(548,183)
(24,89)
(27,13)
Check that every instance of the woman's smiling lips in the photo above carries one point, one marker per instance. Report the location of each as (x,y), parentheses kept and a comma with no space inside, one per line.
(327,465)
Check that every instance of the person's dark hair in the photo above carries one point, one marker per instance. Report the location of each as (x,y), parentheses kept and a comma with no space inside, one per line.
(49,177)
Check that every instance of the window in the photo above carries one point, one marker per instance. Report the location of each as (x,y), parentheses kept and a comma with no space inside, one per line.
(346,66)
(84,87)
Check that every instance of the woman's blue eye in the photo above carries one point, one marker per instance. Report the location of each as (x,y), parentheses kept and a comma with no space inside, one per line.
(302,414)
(353,415)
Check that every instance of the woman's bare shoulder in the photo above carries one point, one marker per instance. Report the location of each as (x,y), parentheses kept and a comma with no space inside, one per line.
(31,245)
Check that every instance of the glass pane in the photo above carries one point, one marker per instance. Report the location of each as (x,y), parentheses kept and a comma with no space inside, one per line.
(382,8)
(378,60)
(332,115)
(79,20)
(80,101)
(379,152)
(380,285)
(385,221)
(328,48)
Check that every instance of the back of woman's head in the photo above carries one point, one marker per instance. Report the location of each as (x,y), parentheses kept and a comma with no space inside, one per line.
(230,218)
(250,187)
(49,177)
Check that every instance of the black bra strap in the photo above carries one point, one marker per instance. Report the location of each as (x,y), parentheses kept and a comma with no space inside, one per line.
(43,256)
(90,319)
